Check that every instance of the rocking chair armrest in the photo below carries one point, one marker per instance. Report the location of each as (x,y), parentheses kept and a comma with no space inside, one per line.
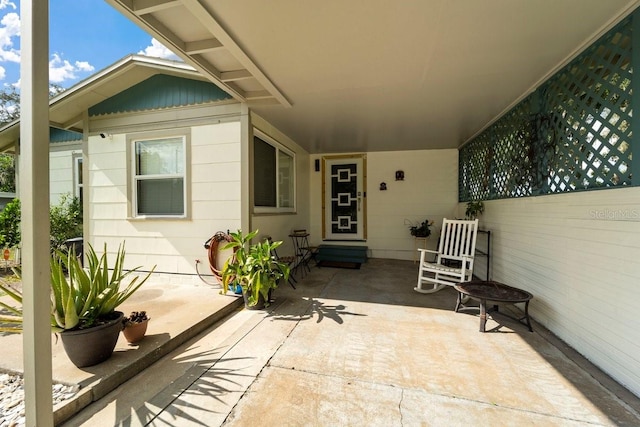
(428,250)
(465,260)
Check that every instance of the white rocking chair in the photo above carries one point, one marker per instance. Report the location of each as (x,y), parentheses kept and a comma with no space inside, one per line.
(453,259)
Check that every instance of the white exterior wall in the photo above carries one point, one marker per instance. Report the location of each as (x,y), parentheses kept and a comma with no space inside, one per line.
(579,255)
(429,190)
(171,244)
(61,178)
(279,226)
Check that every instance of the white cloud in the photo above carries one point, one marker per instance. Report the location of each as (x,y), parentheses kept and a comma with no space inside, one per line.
(6,3)
(61,69)
(84,66)
(3,73)
(158,50)
(9,28)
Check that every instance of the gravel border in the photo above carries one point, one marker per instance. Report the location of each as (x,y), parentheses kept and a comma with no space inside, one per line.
(12,406)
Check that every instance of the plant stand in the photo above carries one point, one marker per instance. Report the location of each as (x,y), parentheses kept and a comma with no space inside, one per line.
(418,242)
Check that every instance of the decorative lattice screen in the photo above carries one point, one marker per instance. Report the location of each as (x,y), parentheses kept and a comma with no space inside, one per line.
(573,133)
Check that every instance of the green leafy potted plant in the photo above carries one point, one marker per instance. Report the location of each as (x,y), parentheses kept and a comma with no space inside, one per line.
(84,302)
(254,268)
(421,229)
(474,209)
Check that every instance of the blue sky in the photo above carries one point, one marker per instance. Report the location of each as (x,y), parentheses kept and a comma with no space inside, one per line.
(85,36)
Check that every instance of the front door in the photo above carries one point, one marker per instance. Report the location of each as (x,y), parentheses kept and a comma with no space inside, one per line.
(344,198)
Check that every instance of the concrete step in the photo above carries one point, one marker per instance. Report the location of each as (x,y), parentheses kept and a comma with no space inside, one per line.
(342,253)
(178,313)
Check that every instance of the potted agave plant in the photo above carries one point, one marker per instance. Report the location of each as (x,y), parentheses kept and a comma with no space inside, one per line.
(84,302)
(253,268)
(11,322)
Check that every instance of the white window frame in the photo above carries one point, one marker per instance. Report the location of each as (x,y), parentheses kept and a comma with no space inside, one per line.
(278,147)
(78,184)
(135,178)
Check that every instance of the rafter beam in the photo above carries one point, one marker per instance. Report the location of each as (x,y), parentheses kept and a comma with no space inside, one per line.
(257,94)
(263,102)
(167,37)
(69,124)
(207,19)
(201,46)
(206,66)
(232,76)
(144,7)
(167,34)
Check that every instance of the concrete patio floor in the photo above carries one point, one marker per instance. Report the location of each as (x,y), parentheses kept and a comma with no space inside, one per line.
(361,348)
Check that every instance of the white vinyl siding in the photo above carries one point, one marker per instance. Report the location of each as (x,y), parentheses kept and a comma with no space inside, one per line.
(578,255)
(61,174)
(213,174)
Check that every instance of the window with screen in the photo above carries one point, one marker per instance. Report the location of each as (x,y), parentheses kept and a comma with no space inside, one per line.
(273,176)
(159,177)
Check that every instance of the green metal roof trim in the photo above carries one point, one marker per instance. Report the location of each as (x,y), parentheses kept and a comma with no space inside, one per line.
(160,91)
(61,135)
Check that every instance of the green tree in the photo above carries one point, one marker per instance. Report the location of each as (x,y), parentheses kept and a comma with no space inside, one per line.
(10,102)
(7,173)
(10,111)
(9,105)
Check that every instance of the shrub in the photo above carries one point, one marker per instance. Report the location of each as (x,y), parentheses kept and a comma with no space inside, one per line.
(10,224)
(66,220)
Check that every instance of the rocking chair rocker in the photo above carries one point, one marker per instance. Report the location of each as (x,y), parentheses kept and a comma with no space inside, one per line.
(454,258)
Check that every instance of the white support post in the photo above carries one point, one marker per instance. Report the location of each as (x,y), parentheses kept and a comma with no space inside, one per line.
(246,165)
(34,198)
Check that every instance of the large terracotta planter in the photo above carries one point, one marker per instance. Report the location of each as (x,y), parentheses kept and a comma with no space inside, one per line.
(134,332)
(88,347)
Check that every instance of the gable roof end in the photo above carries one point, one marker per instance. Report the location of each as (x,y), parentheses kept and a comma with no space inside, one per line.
(158,92)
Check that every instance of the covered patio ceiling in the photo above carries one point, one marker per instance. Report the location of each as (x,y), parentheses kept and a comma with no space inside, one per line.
(377,75)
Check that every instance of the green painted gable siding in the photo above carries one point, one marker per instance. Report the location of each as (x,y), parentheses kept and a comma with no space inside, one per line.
(60,135)
(160,91)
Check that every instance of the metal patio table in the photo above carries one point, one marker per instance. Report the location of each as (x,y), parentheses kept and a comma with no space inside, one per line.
(489,290)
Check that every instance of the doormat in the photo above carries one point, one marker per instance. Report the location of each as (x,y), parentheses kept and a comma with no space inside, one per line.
(339,264)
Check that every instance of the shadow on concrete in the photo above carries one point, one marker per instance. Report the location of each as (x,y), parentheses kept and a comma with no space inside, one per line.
(317,310)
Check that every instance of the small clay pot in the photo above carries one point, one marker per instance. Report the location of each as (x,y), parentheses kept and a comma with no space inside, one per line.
(134,332)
